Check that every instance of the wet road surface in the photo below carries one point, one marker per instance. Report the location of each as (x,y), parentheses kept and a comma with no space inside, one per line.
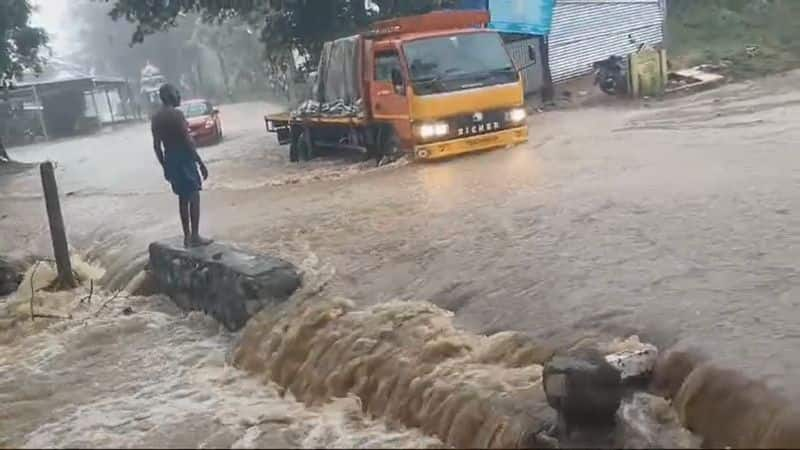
(677,219)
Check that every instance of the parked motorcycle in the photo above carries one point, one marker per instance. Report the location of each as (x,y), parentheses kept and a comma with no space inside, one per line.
(612,75)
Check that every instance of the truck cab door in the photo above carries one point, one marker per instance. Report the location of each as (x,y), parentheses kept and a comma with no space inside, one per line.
(388,91)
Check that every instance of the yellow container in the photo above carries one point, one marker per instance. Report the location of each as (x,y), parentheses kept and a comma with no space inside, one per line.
(647,72)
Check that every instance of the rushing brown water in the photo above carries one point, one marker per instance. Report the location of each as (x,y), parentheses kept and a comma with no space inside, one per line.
(677,222)
(127,371)
(136,372)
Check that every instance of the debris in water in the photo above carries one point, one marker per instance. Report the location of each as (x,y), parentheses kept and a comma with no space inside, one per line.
(632,358)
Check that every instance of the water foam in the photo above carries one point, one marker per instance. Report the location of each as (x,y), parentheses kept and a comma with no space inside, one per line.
(406,362)
(140,373)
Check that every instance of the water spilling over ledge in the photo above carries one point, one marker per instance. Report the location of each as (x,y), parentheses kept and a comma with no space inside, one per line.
(408,363)
(403,364)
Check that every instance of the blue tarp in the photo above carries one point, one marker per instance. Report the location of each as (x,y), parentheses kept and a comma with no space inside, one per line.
(516,16)
(522,16)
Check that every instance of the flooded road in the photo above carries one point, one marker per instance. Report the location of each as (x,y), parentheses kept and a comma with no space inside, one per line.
(677,219)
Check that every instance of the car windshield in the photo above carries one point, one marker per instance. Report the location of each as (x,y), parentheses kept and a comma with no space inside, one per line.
(195,109)
(462,61)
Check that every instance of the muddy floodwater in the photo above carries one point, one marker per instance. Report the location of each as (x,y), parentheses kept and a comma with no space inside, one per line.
(677,220)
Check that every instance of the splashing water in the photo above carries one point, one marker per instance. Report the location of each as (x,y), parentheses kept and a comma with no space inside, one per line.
(127,371)
(139,373)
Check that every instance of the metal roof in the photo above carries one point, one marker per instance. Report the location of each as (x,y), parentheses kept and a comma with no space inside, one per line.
(58,71)
(587,31)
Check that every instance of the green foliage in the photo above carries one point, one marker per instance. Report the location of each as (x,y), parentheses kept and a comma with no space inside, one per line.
(19,42)
(749,37)
(302,25)
(203,58)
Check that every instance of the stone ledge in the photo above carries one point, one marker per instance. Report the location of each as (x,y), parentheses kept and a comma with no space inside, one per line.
(230,284)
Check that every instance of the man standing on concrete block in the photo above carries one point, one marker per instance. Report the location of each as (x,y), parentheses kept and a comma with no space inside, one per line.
(176,151)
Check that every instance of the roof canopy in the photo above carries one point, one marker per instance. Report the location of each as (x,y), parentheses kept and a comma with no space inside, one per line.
(59,75)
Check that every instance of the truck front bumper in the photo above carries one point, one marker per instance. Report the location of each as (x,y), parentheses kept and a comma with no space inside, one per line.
(498,139)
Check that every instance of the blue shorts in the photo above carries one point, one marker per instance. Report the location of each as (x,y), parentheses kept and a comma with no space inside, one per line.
(182,173)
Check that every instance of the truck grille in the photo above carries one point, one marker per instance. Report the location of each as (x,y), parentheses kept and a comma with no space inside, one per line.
(475,124)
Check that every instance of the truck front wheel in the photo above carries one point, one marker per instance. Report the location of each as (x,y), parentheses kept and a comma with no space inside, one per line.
(390,149)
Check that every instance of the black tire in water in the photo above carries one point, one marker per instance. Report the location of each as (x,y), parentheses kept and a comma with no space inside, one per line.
(299,150)
(305,149)
(390,149)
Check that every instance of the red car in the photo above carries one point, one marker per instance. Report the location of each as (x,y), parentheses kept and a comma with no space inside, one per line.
(205,125)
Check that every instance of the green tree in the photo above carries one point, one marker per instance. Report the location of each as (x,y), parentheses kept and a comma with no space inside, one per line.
(302,25)
(19,42)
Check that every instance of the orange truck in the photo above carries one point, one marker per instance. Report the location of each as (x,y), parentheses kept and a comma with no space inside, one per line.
(429,86)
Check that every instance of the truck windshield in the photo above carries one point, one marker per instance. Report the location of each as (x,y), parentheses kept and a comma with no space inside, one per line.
(463,61)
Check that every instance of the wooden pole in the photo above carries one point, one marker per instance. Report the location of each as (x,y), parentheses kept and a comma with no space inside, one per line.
(58,233)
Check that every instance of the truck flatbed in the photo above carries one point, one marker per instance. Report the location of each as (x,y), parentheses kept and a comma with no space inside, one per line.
(282,124)
(286,118)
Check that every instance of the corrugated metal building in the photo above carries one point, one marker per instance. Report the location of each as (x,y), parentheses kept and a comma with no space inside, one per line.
(586,31)
(526,52)
(582,32)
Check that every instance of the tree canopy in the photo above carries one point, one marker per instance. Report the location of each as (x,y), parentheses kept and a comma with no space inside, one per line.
(302,25)
(19,42)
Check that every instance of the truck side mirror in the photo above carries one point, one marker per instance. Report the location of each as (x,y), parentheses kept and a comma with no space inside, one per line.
(397,81)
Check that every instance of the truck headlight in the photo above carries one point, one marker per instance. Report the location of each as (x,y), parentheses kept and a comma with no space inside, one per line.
(517,115)
(432,130)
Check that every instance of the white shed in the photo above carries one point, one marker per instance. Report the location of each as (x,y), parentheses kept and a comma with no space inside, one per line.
(586,31)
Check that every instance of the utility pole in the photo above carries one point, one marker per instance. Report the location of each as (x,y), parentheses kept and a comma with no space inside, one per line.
(66,279)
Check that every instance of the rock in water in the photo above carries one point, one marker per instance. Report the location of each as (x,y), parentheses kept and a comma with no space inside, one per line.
(585,390)
(11,273)
(229,284)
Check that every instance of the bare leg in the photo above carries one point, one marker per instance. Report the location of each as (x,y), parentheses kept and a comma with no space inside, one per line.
(194,209)
(183,208)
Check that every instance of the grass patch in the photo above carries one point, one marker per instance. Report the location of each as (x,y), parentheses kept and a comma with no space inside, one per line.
(748,38)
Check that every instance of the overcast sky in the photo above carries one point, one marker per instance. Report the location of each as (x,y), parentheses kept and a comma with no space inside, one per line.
(51,15)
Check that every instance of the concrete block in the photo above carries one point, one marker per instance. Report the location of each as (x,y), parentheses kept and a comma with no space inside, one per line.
(230,284)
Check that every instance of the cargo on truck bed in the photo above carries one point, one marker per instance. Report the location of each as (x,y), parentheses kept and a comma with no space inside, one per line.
(428,86)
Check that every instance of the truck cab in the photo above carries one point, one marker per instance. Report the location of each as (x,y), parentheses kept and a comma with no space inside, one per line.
(431,86)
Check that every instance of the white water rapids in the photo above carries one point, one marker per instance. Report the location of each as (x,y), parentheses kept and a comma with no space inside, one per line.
(131,372)
(137,372)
